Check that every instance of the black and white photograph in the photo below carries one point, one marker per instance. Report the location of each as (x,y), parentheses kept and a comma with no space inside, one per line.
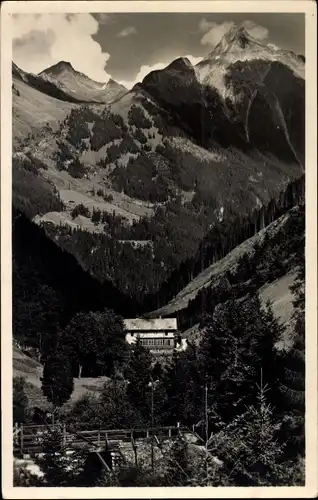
(158,238)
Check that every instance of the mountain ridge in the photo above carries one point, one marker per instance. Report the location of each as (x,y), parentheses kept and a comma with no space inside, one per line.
(80,85)
(161,163)
(238,45)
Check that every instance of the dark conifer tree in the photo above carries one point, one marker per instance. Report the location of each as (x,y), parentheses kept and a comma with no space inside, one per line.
(58,468)
(57,380)
(138,374)
(184,388)
(237,343)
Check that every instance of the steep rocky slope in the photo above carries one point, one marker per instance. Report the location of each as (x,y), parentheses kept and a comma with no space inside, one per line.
(238,45)
(279,294)
(162,163)
(265,263)
(240,84)
(217,271)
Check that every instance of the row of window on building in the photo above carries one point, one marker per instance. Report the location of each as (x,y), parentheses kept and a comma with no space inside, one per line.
(157,342)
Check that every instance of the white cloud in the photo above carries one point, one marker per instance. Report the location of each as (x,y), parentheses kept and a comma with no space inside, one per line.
(146,69)
(194,60)
(216,32)
(205,25)
(255,30)
(143,71)
(103,18)
(213,32)
(42,40)
(130,30)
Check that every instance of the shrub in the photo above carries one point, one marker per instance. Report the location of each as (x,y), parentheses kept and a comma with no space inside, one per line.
(140,136)
(147,147)
(108,198)
(80,210)
(113,153)
(137,117)
(96,217)
(128,145)
(76,169)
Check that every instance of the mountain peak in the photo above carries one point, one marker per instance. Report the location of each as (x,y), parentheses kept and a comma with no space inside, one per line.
(237,33)
(114,86)
(180,64)
(57,68)
(61,66)
(236,38)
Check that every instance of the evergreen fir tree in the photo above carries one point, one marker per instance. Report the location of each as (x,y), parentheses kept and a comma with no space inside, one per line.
(178,465)
(172,373)
(249,451)
(58,468)
(138,375)
(183,387)
(291,400)
(238,340)
(57,380)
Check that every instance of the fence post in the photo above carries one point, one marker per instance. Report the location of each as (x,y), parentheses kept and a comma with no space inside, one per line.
(64,436)
(106,441)
(169,432)
(21,439)
(134,445)
(16,433)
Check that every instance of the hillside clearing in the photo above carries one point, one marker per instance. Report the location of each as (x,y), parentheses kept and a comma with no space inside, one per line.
(28,368)
(32,110)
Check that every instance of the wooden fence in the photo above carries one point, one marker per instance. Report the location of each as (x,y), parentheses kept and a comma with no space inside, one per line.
(29,439)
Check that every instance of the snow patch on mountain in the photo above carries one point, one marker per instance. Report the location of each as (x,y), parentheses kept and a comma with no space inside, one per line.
(238,45)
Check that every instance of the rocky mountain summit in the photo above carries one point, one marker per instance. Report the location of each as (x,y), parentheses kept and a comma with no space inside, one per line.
(81,87)
(187,148)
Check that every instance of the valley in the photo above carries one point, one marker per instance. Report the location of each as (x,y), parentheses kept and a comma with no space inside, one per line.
(181,197)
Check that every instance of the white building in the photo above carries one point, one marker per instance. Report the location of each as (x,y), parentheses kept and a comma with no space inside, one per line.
(159,335)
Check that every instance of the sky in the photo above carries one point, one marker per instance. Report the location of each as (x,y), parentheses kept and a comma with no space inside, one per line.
(126,47)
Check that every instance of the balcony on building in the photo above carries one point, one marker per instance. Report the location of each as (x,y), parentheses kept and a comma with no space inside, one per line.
(159,335)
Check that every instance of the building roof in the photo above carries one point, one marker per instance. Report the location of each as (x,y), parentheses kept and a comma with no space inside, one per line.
(139,324)
(158,334)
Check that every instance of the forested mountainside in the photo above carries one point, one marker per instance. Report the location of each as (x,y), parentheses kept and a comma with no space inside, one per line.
(51,283)
(183,196)
(271,254)
(149,189)
(50,286)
